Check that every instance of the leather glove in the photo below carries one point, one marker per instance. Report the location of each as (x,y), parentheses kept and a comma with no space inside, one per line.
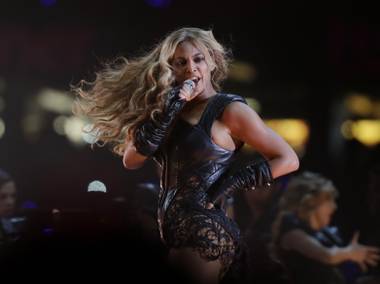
(149,136)
(247,178)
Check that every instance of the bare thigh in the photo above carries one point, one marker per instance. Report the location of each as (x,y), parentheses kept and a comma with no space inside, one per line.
(190,262)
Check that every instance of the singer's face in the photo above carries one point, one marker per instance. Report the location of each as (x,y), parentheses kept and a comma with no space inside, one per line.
(190,63)
(7,199)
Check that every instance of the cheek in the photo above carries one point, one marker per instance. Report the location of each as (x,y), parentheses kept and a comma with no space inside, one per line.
(205,70)
(326,215)
(321,216)
(178,74)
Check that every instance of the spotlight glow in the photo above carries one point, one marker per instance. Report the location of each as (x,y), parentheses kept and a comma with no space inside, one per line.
(90,134)
(367,131)
(48,3)
(359,104)
(97,186)
(54,100)
(73,129)
(158,3)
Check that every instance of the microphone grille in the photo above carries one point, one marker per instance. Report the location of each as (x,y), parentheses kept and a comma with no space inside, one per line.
(190,83)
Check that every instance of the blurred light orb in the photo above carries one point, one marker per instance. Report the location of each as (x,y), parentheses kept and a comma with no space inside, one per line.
(359,104)
(346,129)
(48,3)
(59,124)
(73,129)
(367,131)
(158,3)
(96,186)
(29,204)
(90,134)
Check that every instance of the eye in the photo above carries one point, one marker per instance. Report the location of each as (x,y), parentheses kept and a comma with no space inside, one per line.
(179,63)
(199,59)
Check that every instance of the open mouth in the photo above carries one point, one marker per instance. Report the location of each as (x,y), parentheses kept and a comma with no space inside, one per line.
(196,79)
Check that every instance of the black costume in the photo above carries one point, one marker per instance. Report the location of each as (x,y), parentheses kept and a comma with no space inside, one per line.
(194,172)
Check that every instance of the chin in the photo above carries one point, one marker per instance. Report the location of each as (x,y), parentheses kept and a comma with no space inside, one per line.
(327,223)
(199,92)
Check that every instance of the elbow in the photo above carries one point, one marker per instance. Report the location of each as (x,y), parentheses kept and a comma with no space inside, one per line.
(329,258)
(285,165)
(132,159)
(294,163)
(131,164)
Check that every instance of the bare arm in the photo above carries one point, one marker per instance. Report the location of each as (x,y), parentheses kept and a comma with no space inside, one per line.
(131,158)
(299,241)
(245,125)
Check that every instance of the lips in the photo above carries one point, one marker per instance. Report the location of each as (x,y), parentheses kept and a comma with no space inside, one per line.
(196,79)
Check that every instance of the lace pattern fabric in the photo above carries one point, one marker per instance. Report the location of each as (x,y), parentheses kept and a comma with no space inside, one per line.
(209,231)
(191,163)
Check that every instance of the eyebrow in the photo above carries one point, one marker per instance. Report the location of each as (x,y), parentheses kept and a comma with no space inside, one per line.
(196,54)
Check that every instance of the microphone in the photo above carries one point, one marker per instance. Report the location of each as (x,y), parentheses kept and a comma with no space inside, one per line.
(175,91)
(189,83)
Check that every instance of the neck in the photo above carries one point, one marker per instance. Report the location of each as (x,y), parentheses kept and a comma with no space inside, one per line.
(207,93)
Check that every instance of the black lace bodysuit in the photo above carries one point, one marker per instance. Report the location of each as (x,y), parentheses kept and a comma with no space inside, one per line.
(191,162)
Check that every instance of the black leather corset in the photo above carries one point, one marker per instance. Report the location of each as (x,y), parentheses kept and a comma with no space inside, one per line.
(190,160)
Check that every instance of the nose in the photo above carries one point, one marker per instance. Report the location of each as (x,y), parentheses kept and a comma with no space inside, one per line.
(191,66)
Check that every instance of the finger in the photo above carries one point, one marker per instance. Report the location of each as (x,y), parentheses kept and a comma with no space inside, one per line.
(355,238)
(362,266)
(373,256)
(184,94)
(209,205)
(373,249)
(371,262)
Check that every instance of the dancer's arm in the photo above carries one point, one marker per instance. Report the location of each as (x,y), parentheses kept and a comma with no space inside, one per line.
(245,125)
(299,241)
(149,136)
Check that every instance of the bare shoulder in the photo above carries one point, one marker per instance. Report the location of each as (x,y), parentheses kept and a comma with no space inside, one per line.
(236,109)
(238,114)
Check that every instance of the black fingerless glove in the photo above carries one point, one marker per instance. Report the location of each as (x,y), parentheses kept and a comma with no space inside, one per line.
(150,135)
(248,178)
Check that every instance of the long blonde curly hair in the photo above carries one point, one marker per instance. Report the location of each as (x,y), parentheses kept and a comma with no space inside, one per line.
(125,93)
